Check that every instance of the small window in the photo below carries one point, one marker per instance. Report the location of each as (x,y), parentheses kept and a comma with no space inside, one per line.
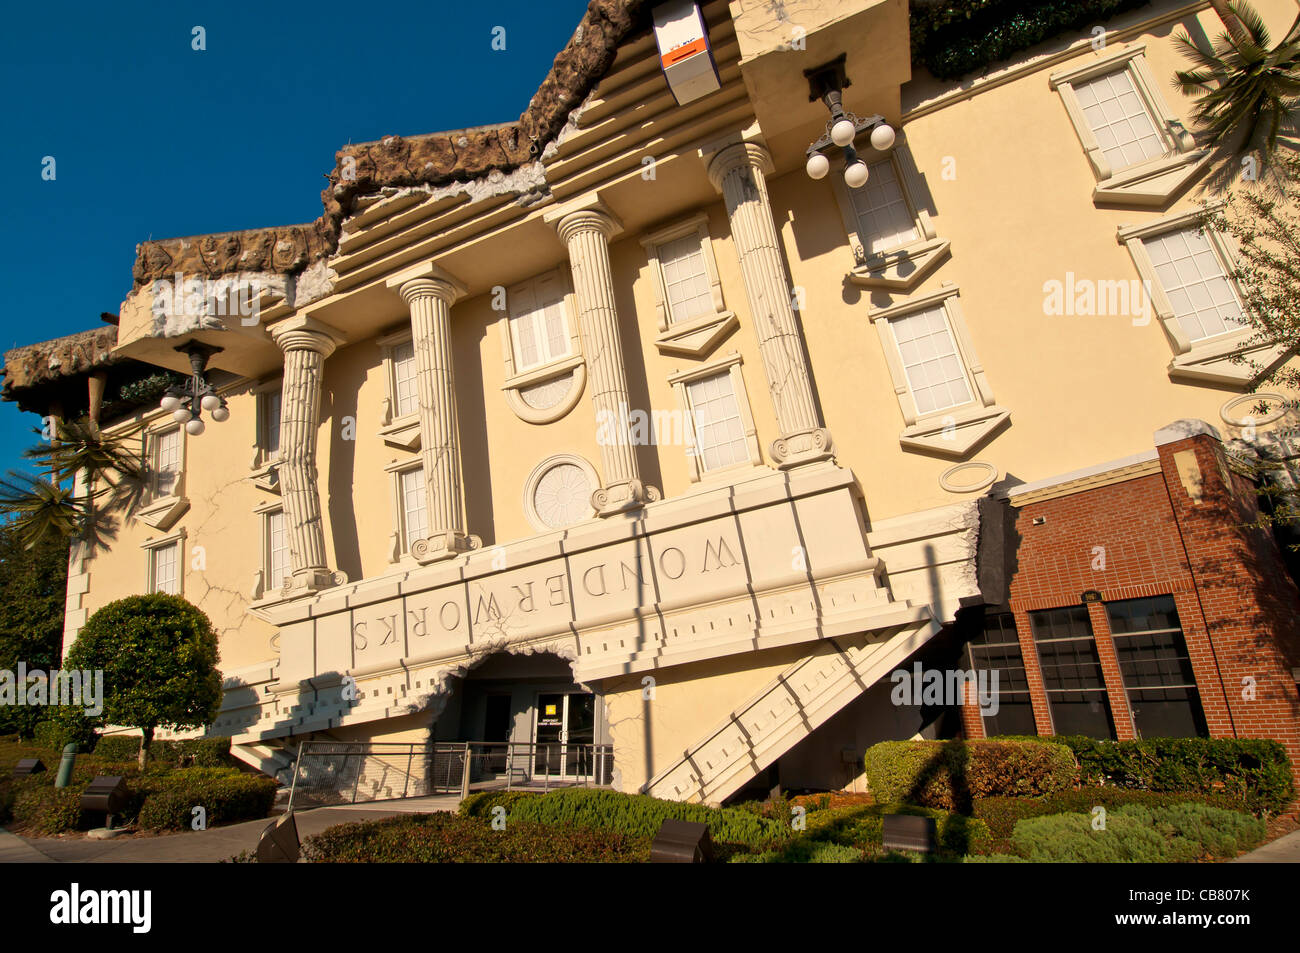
(689,307)
(405,394)
(719,427)
(885,220)
(414,507)
(1072,677)
(277,550)
(1156,668)
(539,323)
(995,647)
(686,278)
(164,568)
(1140,152)
(269,424)
(166,461)
(1195,283)
(1119,119)
(934,370)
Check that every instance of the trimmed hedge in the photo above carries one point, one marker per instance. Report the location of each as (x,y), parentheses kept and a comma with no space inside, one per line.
(161,797)
(1001,814)
(636,815)
(199,752)
(455,838)
(950,774)
(1181,833)
(1253,772)
(834,832)
(952,39)
(225,794)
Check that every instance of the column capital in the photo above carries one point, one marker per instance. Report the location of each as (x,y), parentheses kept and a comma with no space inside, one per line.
(302,333)
(586,215)
(427,280)
(738,155)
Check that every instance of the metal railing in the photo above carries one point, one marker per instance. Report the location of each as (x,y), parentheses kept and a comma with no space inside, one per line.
(335,772)
(463,767)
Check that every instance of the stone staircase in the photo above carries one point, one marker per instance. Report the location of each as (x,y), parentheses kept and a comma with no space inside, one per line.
(784,712)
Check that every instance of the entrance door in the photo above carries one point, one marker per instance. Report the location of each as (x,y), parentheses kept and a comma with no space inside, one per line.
(566,727)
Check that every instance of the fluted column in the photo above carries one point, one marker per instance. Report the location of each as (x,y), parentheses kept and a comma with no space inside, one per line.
(586,232)
(738,171)
(429,294)
(306,343)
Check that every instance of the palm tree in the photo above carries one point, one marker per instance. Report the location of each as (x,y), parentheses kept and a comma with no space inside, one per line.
(41,507)
(1230,20)
(1247,94)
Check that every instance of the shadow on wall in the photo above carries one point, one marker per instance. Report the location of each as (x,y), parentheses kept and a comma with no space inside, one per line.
(340,401)
(472,426)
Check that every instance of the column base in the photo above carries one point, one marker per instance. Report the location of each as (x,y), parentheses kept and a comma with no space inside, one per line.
(621,497)
(311,580)
(441,546)
(806,446)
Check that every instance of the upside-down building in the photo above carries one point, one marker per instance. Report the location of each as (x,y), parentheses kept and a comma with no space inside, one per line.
(614,433)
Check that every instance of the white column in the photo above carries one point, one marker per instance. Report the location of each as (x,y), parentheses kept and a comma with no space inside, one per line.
(586,232)
(738,171)
(306,344)
(429,293)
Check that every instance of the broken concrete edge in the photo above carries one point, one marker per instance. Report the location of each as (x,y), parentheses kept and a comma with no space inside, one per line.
(435,159)
(29,366)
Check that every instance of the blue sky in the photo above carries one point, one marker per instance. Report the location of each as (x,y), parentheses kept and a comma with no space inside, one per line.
(152,138)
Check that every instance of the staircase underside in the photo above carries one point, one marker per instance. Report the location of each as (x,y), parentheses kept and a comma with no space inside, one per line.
(784,712)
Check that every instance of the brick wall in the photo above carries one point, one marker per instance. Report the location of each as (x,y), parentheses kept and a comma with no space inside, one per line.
(1183,532)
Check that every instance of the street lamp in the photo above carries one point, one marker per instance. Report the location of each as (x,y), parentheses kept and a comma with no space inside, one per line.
(843,128)
(186,402)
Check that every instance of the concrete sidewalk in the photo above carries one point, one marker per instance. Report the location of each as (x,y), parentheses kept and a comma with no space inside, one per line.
(1284,850)
(210,846)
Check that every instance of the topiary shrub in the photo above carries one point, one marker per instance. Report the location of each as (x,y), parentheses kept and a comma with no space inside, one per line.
(159,657)
(1254,772)
(950,774)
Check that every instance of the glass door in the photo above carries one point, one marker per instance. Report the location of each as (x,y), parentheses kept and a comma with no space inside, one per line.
(566,727)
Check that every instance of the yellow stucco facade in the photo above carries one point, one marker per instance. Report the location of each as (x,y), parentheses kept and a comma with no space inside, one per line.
(870,544)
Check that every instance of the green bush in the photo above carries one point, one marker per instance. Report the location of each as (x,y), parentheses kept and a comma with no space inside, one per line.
(953,39)
(637,815)
(62,726)
(1253,772)
(1137,834)
(199,752)
(226,795)
(804,852)
(453,838)
(481,803)
(1000,814)
(48,810)
(949,774)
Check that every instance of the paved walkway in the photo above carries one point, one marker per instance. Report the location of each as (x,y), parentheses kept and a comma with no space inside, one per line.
(1284,850)
(222,843)
(210,846)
